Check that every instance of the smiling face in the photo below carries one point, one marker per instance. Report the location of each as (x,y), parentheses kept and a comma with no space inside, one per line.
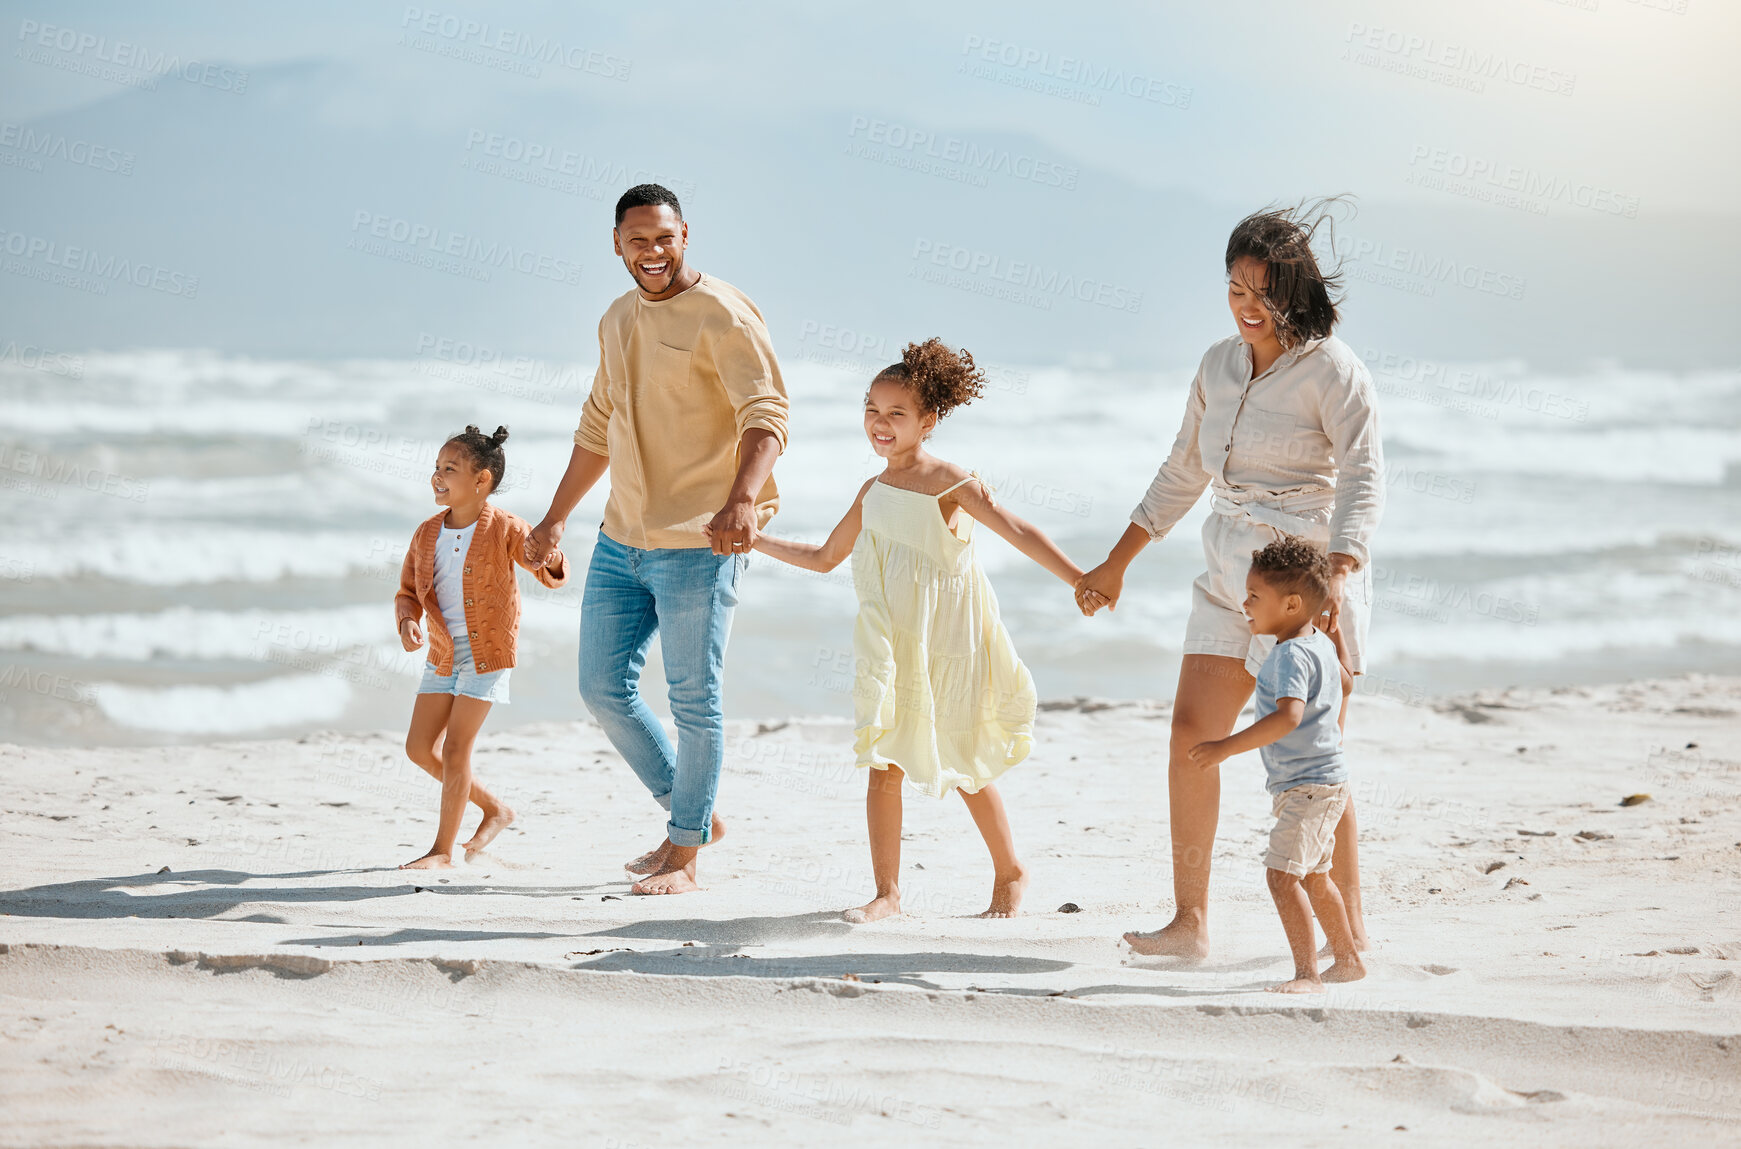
(456,481)
(1246,281)
(1269,610)
(651,240)
(894,420)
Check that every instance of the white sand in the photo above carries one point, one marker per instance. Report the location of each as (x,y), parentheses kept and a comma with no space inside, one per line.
(280,984)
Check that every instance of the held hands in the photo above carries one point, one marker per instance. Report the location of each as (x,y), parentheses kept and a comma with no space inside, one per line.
(541,542)
(733,530)
(1098,588)
(410,634)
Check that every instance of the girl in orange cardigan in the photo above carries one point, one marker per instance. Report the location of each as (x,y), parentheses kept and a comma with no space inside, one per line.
(460,573)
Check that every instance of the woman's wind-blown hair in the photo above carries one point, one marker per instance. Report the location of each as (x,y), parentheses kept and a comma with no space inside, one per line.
(1300,295)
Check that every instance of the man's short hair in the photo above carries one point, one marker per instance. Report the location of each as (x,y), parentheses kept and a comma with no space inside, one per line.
(1294,566)
(647,195)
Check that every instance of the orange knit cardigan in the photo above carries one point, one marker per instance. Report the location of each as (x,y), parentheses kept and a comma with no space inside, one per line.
(492,596)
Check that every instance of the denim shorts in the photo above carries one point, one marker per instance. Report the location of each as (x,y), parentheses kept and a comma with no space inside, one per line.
(465,679)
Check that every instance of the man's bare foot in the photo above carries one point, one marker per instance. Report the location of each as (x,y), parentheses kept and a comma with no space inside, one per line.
(678,881)
(1350,968)
(1299,985)
(430,861)
(492,825)
(875,910)
(1177,938)
(1006,895)
(654,860)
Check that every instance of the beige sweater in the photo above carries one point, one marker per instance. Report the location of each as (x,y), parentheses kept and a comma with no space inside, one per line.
(679,382)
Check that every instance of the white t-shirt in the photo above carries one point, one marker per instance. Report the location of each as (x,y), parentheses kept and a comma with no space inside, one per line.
(450,549)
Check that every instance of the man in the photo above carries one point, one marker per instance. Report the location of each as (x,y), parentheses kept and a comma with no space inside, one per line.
(688,413)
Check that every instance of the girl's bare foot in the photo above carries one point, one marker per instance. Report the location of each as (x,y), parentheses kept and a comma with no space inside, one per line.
(1181,937)
(1350,968)
(1361,943)
(878,908)
(1006,894)
(492,825)
(430,861)
(654,860)
(1299,985)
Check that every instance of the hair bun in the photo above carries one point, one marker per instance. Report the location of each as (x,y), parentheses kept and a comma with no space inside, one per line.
(500,437)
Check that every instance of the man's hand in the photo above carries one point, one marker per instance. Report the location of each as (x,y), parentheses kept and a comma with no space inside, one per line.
(1100,587)
(1207,754)
(541,542)
(411,634)
(733,530)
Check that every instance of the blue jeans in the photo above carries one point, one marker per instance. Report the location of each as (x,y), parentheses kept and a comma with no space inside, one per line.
(686,596)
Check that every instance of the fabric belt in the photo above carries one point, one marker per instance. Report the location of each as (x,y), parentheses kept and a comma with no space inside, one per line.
(1278,509)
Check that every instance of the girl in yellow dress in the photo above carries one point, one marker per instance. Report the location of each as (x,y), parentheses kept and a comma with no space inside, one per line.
(940,697)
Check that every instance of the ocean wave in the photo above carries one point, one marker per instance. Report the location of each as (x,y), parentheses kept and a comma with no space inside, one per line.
(292,700)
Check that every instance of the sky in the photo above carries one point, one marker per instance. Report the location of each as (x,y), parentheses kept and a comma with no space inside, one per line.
(1534,178)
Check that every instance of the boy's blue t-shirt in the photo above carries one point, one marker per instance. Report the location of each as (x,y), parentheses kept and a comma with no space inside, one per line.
(1305,668)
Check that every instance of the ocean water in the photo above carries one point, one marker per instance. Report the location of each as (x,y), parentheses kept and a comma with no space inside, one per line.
(196,546)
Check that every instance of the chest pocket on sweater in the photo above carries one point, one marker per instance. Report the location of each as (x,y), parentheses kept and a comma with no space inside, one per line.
(1266,438)
(669,367)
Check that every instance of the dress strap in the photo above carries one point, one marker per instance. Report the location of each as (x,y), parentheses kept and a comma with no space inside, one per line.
(972,476)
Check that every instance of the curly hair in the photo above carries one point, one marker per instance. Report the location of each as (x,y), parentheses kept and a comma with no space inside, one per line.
(647,195)
(1292,565)
(1298,293)
(943,379)
(485,451)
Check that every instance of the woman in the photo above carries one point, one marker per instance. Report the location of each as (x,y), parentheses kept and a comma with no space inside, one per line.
(1280,423)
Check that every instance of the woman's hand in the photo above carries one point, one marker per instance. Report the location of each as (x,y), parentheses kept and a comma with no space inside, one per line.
(1341,566)
(411,634)
(1100,587)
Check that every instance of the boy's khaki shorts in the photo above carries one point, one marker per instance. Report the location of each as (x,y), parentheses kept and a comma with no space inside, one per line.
(1305,832)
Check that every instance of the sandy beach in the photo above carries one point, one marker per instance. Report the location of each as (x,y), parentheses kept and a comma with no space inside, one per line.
(209,945)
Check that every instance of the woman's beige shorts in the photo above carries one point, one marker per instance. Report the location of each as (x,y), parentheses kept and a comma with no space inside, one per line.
(1305,832)
(1218,624)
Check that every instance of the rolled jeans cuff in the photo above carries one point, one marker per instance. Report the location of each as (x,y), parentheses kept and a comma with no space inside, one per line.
(678,836)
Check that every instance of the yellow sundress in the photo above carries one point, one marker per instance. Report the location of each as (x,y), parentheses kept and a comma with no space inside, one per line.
(938,689)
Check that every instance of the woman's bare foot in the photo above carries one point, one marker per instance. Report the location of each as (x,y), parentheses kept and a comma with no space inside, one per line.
(1299,985)
(676,876)
(1181,937)
(430,861)
(1350,968)
(492,825)
(654,860)
(1006,894)
(875,910)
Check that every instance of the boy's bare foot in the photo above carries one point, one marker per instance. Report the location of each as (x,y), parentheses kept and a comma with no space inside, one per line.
(492,825)
(1006,895)
(654,860)
(875,910)
(1299,985)
(430,861)
(1350,968)
(1178,938)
